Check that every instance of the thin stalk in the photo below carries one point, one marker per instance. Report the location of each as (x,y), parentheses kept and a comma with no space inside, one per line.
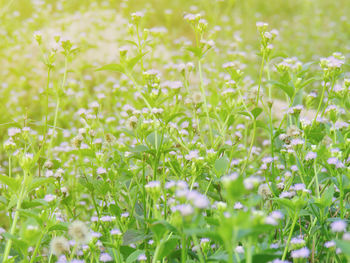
(139,46)
(183,249)
(58,98)
(341,196)
(327,102)
(15,219)
(37,247)
(73,251)
(200,254)
(320,103)
(47,102)
(290,235)
(156,252)
(249,258)
(205,101)
(316,178)
(260,77)
(230,254)
(250,147)
(10,169)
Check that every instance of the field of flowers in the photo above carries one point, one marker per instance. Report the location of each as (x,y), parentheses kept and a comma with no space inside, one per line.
(176,131)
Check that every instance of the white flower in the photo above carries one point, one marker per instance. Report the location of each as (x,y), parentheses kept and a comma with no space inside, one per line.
(79,232)
(239,249)
(59,245)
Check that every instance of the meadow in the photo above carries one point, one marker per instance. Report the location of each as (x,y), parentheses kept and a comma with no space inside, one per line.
(174,131)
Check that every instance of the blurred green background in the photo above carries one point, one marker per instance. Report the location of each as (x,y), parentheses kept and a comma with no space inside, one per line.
(309,29)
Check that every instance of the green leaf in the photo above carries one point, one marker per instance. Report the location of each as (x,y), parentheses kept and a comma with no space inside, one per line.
(112,67)
(221,165)
(40,181)
(17,243)
(245,113)
(134,255)
(133,236)
(155,139)
(60,227)
(31,214)
(139,149)
(130,64)
(219,256)
(87,182)
(344,246)
(263,258)
(168,247)
(286,203)
(256,112)
(288,89)
(13,201)
(33,203)
(3,200)
(316,133)
(196,51)
(12,183)
(326,199)
(126,251)
(161,227)
(262,124)
(131,42)
(307,82)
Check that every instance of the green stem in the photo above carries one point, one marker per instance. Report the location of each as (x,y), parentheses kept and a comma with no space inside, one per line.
(156,252)
(183,249)
(10,170)
(15,219)
(47,102)
(249,258)
(58,99)
(37,247)
(316,178)
(290,235)
(196,243)
(73,251)
(250,147)
(341,196)
(205,101)
(260,77)
(327,102)
(320,103)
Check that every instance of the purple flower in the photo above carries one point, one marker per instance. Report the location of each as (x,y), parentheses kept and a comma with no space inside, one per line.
(105,257)
(310,156)
(338,226)
(301,253)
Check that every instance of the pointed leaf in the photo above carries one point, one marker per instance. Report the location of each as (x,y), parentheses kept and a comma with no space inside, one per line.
(132,62)
(112,67)
(9,181)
